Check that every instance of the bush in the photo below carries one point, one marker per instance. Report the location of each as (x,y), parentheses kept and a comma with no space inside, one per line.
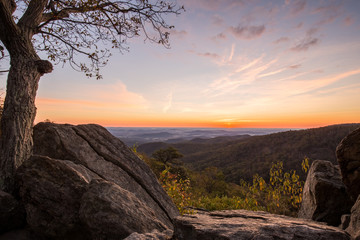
(178,189)
(208,190)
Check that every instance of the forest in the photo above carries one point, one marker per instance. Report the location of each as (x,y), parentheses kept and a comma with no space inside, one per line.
(244,156)
(208,189)
(265,173)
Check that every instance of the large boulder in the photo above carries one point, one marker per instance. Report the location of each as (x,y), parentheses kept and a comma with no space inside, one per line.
(51,191)
(325,198)
(354,225)
(19,234)
(244,225)
(96,149)
(12,213)
(348,156)
(111,212)
(73,169)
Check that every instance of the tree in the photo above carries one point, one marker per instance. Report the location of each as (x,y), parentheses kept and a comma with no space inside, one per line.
(65,30)
(212,180)
(167,155)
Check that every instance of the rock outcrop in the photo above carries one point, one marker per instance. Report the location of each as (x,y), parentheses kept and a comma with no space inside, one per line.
(96,149)
(111,212)
(154,235)
(51,191)
(325,198)
(244,225)
(83,183)
(348,156)
(12,213)
(354,225)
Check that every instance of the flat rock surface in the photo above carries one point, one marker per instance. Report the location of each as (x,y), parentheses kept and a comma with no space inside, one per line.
(242,224)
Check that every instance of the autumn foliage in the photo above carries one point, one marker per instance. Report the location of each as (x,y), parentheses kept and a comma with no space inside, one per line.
(281,194)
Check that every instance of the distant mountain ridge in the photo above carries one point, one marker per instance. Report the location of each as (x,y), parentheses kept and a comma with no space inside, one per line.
(133,135)
(240,157)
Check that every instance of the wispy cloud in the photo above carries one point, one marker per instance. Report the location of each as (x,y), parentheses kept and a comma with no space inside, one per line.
(255,73)
(231,52)
(349,20)
(297,6)
(300,87)
(249,65)
(300,25)
(217,20)
(341,89)
(328,13)
(248,32)
(272,73)
(214,5)
(178,34)
(243,75)
(307,42)
(220,59)
(219,37)
(115,96)
(168,103)
(206,54)
(295,66)
(281,40)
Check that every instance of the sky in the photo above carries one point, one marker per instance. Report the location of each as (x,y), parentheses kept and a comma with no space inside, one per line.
(232,63)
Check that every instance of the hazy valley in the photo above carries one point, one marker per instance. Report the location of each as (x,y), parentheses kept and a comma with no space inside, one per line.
(242,156)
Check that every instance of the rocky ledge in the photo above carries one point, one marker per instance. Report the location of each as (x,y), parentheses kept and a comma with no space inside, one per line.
(243,225)
(83,183)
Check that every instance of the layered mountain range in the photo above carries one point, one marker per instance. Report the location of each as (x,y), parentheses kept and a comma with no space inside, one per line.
(242,156)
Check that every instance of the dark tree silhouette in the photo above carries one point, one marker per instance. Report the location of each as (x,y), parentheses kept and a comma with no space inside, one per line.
(167,155)
(65,30)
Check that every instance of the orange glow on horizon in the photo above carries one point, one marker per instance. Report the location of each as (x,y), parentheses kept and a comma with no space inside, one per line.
(86,112)
(189,123)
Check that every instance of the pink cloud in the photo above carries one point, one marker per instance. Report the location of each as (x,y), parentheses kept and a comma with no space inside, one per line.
(220,36)
(217,20)
(247,31)
(299,25)
(214,5)
(349,20)
(281,40)
(328,13)
(307,42)
(178,34)
(297,6)
(206,54)
(295,66)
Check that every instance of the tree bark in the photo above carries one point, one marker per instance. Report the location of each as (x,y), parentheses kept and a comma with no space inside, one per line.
(26,68)
(18,117)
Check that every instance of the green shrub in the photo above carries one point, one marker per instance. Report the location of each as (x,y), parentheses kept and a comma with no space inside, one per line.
(178,189)
(207,189)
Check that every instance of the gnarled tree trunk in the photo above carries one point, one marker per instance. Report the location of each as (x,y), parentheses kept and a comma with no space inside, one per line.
(18,117)
(26,68)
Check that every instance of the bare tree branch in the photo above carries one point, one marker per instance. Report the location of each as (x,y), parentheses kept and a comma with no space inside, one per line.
(7,24)
(33,15)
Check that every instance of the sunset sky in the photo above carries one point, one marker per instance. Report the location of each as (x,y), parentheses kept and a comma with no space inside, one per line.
(232,63)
